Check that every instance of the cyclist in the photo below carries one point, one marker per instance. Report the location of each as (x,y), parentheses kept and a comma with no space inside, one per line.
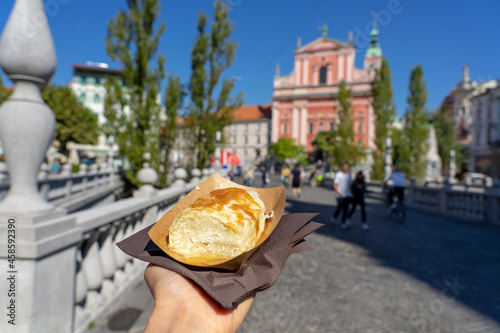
(398,180)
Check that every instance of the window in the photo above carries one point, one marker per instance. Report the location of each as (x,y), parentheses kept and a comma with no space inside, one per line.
(331,126)
(84,80)
(246,127)
(321,128)
(258,139)
(82,98)
(322,75)
(234,139)
(311,128)
(285,128)
(358,126)
(234,127)
(97,99)
(246,138)
(258,127)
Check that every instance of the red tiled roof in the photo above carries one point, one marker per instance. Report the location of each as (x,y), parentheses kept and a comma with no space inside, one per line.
(252,112)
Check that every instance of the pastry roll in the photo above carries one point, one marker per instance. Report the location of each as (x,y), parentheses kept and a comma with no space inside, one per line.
(220,225)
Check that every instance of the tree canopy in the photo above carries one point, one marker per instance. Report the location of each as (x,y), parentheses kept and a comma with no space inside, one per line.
(212,53)
(385,114)
(74,122)
(339,143)
(133,111)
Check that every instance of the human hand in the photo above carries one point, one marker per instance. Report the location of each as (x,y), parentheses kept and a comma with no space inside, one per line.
(182,306)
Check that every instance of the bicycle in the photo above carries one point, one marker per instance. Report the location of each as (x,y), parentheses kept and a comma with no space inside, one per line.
(397,213)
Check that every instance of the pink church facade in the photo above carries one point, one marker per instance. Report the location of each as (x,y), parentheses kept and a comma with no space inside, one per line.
(305,101)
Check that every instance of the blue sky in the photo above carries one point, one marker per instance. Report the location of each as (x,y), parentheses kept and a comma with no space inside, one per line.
(440,35)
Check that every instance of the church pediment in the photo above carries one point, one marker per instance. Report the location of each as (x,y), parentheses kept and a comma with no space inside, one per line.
(323,44)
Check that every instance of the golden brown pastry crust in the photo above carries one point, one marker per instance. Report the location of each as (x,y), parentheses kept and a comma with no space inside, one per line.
(220,225)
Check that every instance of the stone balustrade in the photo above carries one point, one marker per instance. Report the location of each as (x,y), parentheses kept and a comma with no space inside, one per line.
(60,188)
(468,202)
(102,270)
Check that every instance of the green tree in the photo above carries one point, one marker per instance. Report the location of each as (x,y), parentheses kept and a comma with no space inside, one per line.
(213,52)
(133,111)
(385,114)
(287,151)
(174,95)
(74,122)
(4,93)
(445,136)
(416,127)
(339,143)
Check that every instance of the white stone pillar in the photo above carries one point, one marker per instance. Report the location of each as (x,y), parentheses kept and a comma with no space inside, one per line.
(305,72)
(340,67)
(388,158)
(27,55)
(295,124)
(43,271)
(275,124)
(303,126)
(453,168)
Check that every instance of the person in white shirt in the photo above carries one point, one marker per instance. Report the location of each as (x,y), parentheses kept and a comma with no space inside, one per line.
(342,186)
(398,186)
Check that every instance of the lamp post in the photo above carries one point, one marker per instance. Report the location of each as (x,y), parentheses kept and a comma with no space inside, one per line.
(218,136)
(388,158)
(453,167)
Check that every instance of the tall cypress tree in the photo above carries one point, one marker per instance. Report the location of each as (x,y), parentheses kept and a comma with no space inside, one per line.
(385,113)
(174,94)
(445,137)
(212,53)
(416,127)
(132,110)
(340,144)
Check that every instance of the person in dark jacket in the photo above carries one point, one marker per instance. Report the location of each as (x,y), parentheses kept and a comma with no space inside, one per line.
(358,197)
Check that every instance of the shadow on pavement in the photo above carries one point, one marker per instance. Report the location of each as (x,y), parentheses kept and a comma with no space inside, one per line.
(460,260)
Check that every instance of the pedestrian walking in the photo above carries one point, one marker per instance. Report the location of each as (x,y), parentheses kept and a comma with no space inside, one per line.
(251,176)
(296,181)
(358,197)
(342,186)
(264,176)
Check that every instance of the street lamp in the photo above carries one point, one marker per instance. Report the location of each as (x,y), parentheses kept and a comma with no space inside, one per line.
(218,136)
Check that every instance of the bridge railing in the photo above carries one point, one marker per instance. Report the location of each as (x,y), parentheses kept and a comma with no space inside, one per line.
(475,203)
(103,271)
(62,187)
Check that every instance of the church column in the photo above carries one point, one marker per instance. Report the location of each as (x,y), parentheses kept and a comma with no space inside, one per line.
(275,121)
(340,67)
(295,123)
(303,126)
(297,72)
(305,72)
(350,65)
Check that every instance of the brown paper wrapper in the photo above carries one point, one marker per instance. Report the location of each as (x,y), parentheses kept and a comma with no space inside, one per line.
(258,273)
(273,198)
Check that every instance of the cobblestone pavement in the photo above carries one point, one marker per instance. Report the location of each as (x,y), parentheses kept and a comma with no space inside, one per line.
(428,274)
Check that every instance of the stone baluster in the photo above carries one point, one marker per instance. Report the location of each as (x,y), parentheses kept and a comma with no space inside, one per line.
(453,167)
(83,169)
(92,268)
(147,177)
(94,168)
(195,175)
(206,174)
(66,169)
(81,313)
(108,263)
(180,175)
(45,260)
(43,172)
(4,171)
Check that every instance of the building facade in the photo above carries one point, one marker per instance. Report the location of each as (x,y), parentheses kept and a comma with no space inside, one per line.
(485,133)
(250,134)
(305,102)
